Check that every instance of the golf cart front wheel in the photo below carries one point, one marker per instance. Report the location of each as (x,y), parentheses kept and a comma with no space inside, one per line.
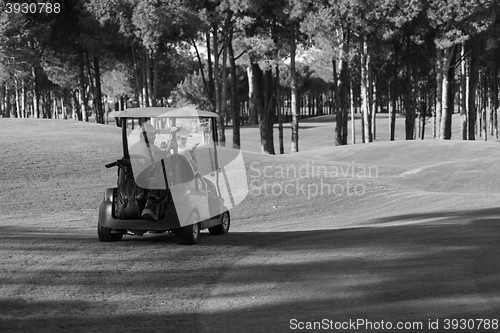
(223,227)
(107,234)
(189,234)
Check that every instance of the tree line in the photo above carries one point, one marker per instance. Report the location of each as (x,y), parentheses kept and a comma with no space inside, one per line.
(259,62)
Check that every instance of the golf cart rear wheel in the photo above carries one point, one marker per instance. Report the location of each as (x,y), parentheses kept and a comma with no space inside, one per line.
(106,234)
(189,234)
(223,227)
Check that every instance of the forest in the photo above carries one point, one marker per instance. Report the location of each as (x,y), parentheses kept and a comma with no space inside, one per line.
(258,62)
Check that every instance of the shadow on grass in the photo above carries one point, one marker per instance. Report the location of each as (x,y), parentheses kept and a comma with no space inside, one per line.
(393,273)
(443,216)
(412,272)
(76,316)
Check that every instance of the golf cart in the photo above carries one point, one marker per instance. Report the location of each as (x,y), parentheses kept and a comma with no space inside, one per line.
(188,195)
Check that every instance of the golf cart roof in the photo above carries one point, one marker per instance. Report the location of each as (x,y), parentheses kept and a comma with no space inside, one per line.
(163,112)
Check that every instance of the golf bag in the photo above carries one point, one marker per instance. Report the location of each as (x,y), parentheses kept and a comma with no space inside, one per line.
(156,204)
(130,199)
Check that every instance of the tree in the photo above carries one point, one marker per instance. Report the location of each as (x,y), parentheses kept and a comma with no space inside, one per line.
(455,22)
(325,22)
(256,21)
(24,39)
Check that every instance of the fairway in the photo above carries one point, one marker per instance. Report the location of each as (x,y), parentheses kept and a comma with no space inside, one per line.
(399,232)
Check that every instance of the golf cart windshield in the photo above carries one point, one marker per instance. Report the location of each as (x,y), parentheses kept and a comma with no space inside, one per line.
(175,148)
(186,132)
(189,137)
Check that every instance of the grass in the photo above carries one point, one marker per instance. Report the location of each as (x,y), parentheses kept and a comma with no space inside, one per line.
(420,243)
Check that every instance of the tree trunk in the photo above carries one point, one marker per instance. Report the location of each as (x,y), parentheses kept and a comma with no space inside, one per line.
(439,92)
(278,109)
(295,94)
(374,104)
(36,93)
(321,104)
(54,104)
(351,99)
(365,100)
(495,102)
(419,101)
(46,103)
(224,77)
(464,85)
(75,95)
(92,89)
(2,99)
(409,100)
(211,81)
(17,99)
(266,121)
(82,98)
(10,109)
(490,102)
(471,98)
(394,96)
(80,115)
(341,91)
(63,108)
(217,87)
(264,105)
(423,112)
(234,95)
(149,79)
(257,81)
(34,100)
(447,93)
(98,91)
(338,109)
(145,70)
(137,76)
(484,106)
(5,101)
(155,79)
(362,121)
(252,113)
(23,100)
(344,90)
